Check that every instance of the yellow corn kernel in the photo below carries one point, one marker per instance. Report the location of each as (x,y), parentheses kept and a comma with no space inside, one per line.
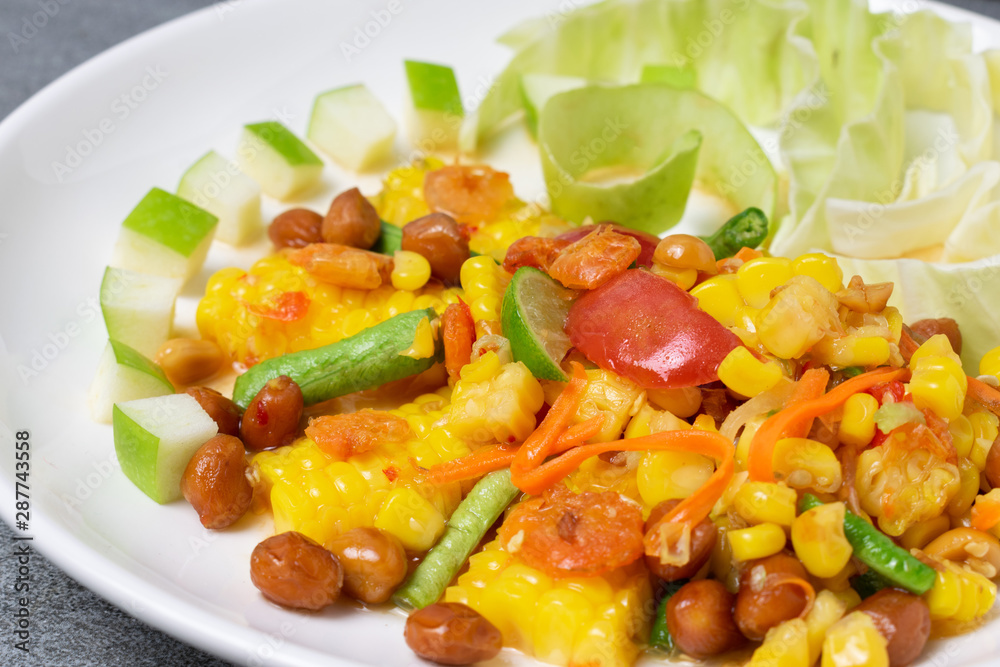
(990,363)
(410,270)
(921,534)
(495,402)
(613,396)
(755,279)
(596,621)
(827,610)
(854,641)
(411,518)
(683,278)
(895,321)
(961,435)
(705,422)
(745,374)
(423,342)
(785,645)
(638,426)
(937,345)
(765,539)
(719,297)
(959,594)
(821,267)
(797,317)
(857,428)
(968,488)
(984,433)
(819,541)
(668,475)
(938,384)
(807,464)
(683,402)
(746,438)
(851,350)
(763,502)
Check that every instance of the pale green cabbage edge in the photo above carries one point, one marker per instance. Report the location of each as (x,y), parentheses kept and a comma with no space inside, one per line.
(885,124)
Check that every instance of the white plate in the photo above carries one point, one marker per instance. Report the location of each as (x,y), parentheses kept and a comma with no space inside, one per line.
(75,159)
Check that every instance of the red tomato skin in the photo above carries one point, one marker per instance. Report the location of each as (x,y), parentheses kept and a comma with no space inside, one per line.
(650,331)
(647,241)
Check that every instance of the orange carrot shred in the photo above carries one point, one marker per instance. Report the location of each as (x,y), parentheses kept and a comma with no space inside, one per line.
(793,418)
(543,439)
(479,462)
(985,514)
(985,395)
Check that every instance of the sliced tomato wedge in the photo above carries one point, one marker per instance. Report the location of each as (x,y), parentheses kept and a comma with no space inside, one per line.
(646,240)
(650,331)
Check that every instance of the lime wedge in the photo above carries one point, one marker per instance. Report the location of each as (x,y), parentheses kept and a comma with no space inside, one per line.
(533,314)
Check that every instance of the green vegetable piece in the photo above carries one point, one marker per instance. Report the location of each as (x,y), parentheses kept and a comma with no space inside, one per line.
(660,637)
(390,240)
(675,77)
(466,528)
(746,229)
(366,360)
(533,316)
(631,154)
(880,553)
(852,371)
(868,584)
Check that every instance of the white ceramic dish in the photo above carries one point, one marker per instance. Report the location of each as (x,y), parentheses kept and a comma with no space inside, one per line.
(76,158)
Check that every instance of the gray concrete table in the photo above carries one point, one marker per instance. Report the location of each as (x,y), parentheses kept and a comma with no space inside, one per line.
(73,626)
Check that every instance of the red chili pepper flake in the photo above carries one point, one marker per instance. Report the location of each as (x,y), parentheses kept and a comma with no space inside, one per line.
(391,473)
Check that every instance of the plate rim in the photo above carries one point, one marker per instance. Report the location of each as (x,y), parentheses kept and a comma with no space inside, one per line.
(164,610)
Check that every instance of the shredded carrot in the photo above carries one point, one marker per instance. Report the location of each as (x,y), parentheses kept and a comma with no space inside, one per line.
(692,510)
(578,434)
(543,439)
(745,254)
(760,461)
(985,395)
(479,462)
(810,386)
(985,514)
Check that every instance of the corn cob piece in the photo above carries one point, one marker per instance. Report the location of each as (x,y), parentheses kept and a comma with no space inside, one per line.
(495,402)
(594,621)
(251,317)
(959,594)
(484,282)
(322,496)
(402,196)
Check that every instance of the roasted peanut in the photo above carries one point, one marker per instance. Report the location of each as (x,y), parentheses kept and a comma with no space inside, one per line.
(702,541)
(188,360)
(374,563)
(452,634)
(223,411)
(291,570)
(992,468)
(761,605)
(903,619)
(438,238)
(272,418)
(683,251)
(924,329)
(352,221)
(296,228)
(700,619)
(216,484)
